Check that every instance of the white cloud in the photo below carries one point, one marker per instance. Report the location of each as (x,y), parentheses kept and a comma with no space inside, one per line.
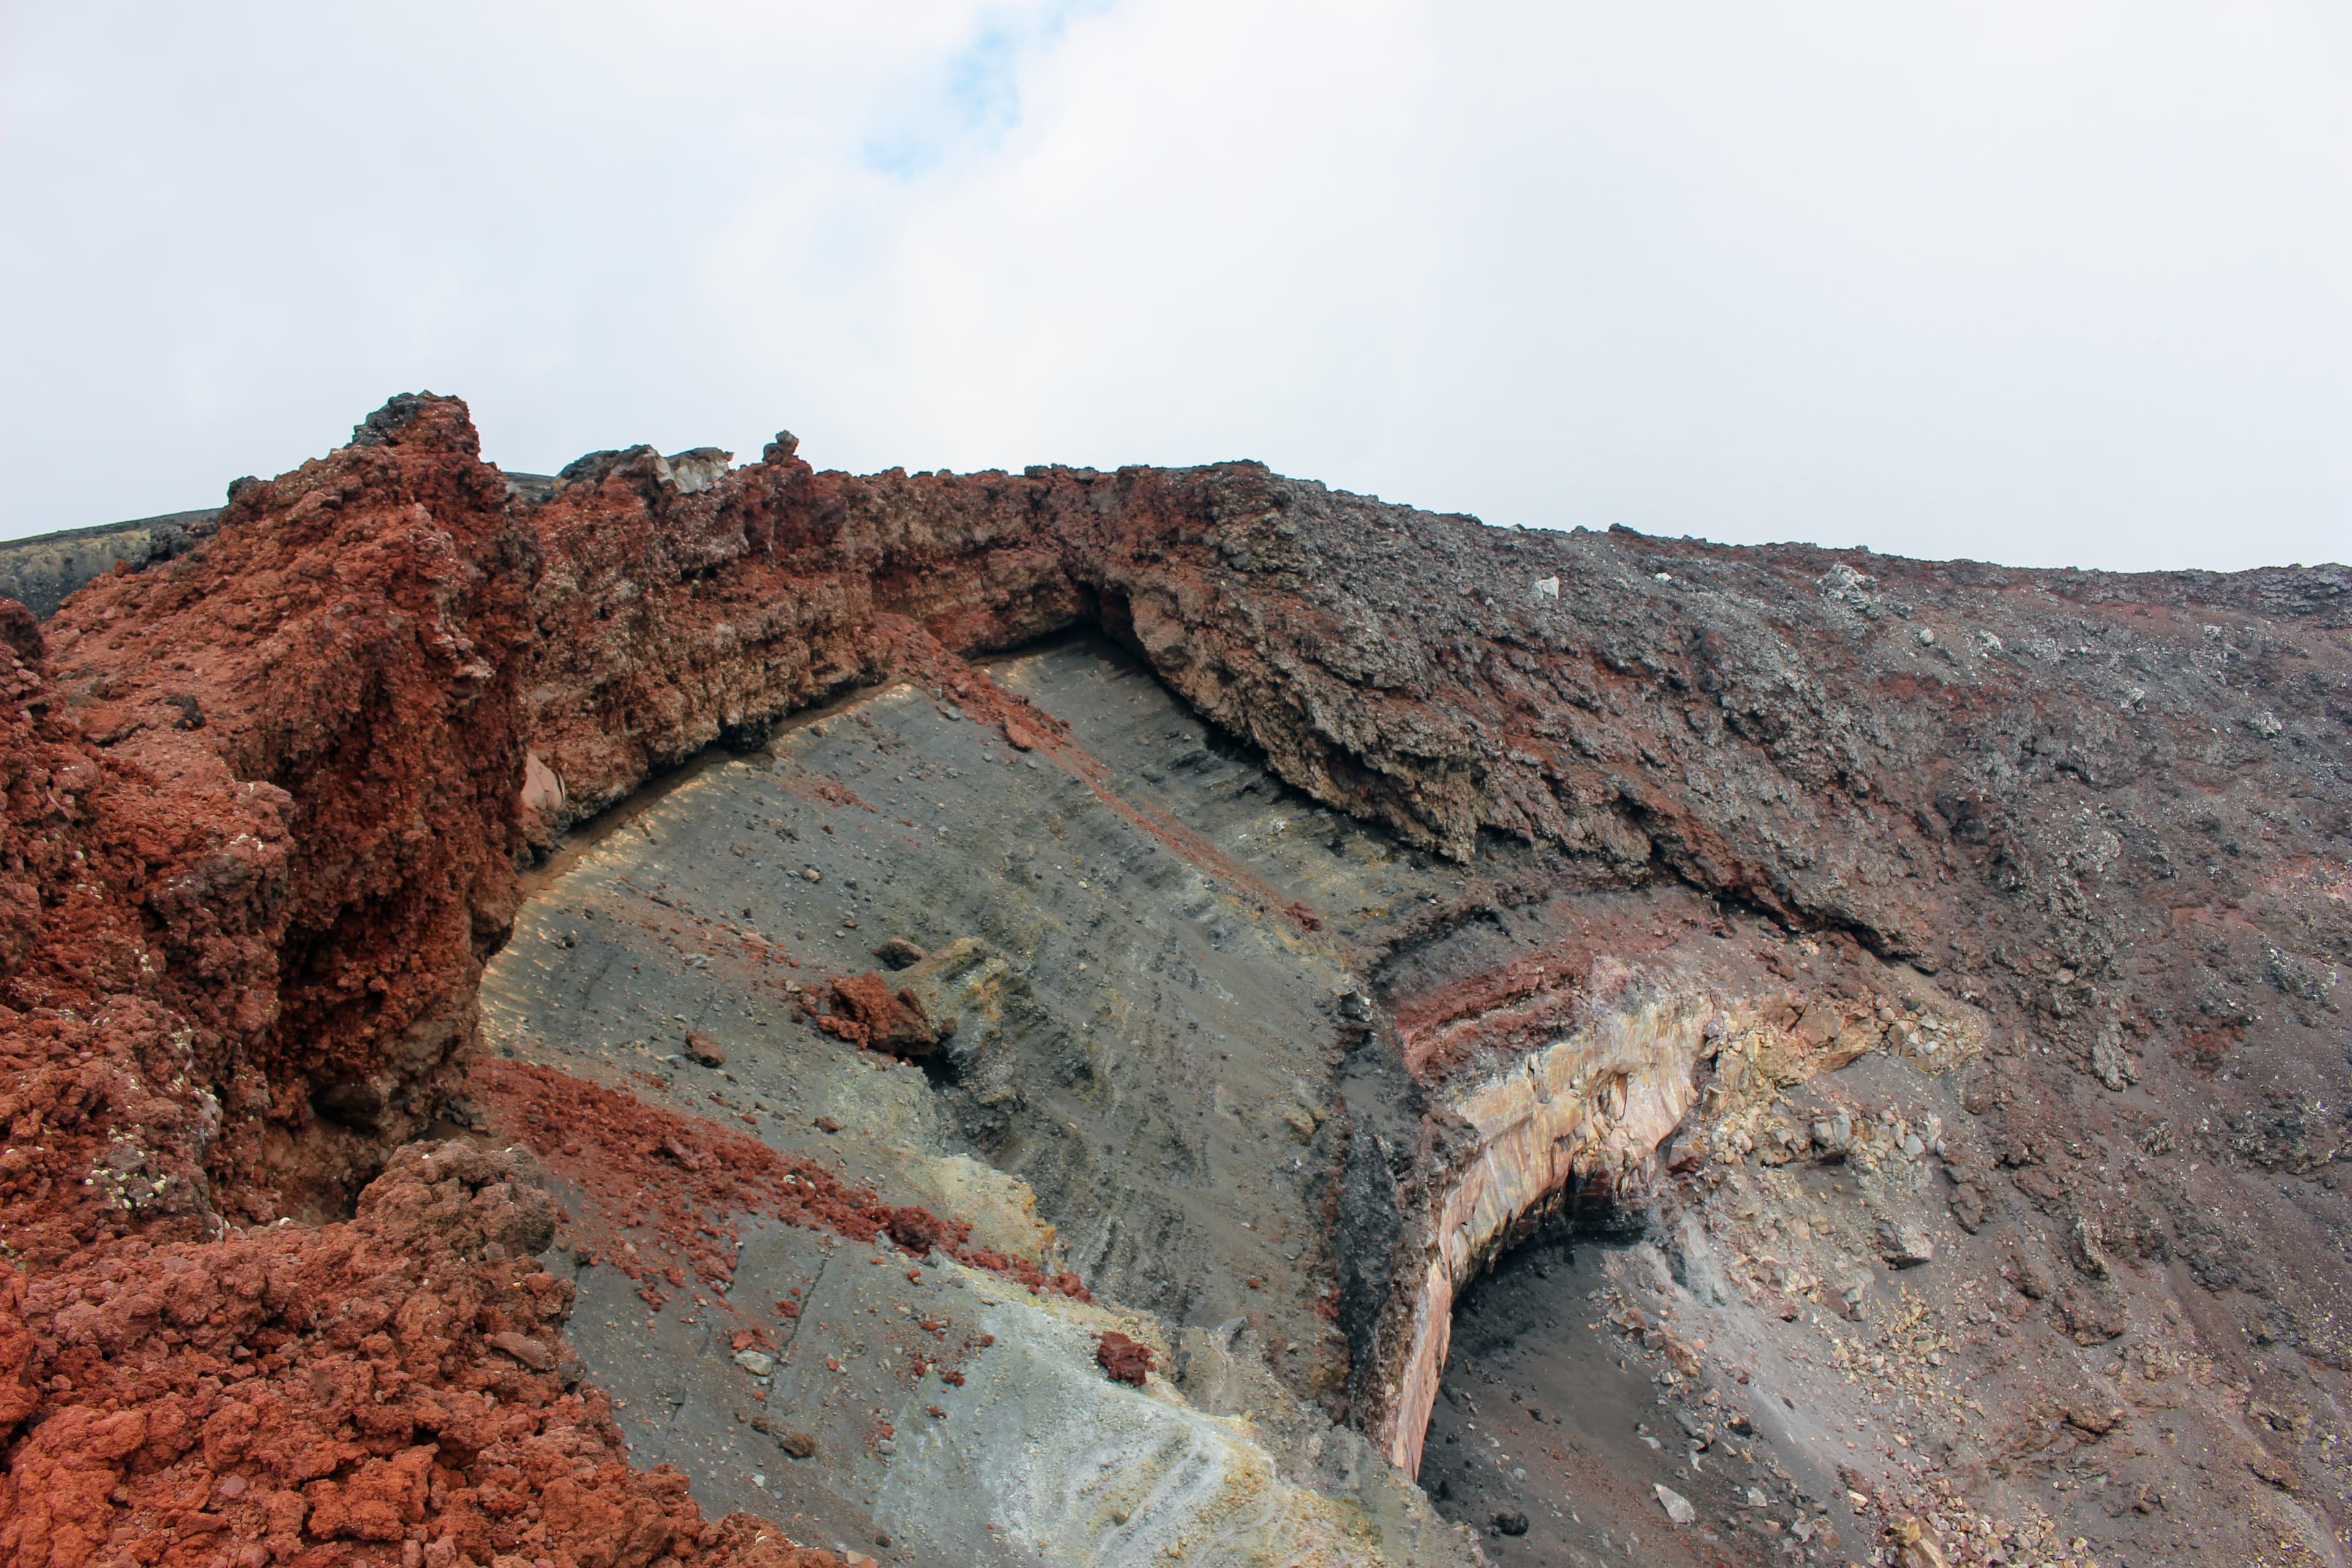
(2055,282)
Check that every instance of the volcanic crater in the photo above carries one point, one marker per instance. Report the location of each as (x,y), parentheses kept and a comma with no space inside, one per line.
(680,1012)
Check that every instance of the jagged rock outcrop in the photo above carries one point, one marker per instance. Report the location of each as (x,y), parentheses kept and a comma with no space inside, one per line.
(354,680)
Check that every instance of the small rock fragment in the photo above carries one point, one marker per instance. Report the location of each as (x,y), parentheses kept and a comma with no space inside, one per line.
(1678,1507)
(702,1049)
(899,953)
(2095,1420)
(1510,1523)
(755,1363)
(865,1012)
(529,1352)
(1919,1548)
(1125,1360)
(1834,1135)
(799,1445)
(1968,1208)
(1905,1245)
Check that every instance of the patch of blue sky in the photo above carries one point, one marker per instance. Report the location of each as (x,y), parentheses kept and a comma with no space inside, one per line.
(971,98)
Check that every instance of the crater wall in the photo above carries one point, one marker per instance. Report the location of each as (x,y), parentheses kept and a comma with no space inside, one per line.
(267,802)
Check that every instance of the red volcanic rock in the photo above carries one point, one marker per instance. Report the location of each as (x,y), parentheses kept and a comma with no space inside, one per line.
(684,605)
(139,912)
(919,1230)
(291,1390)
(866,1012)
(20,633)
(348,636)
(1122,1359)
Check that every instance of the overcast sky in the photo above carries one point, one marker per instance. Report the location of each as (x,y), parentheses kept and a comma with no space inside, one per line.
(2044,282)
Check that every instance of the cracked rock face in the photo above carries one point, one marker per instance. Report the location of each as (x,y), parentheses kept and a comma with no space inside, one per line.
(1367,888)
